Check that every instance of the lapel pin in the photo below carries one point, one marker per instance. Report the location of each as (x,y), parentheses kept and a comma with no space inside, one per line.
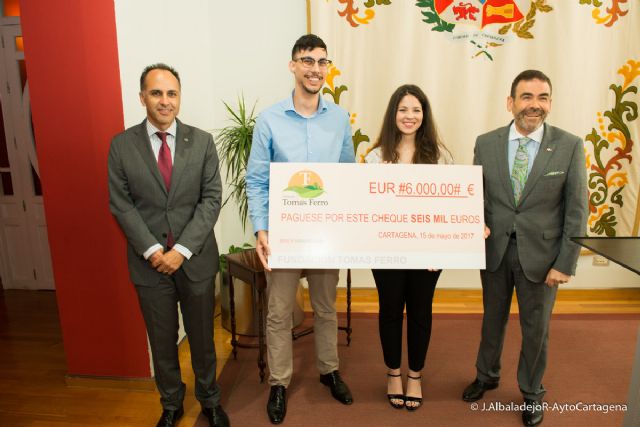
(186,140)
(549,149)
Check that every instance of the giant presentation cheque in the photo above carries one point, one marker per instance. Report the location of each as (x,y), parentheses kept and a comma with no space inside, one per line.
(327,215)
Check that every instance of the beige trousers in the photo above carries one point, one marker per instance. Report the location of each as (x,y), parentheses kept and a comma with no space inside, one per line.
(282,285)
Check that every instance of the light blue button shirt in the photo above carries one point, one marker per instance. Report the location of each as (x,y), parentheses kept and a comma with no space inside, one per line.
(282,134)
(532,146)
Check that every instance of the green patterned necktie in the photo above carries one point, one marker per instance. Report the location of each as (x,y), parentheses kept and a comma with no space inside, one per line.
(520,168)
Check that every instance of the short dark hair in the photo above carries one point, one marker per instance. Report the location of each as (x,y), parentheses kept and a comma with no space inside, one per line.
(527,75)
(158,66)
(307,42)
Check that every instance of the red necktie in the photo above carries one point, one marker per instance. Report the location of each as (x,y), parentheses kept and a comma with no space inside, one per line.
(164,160)
(165,165)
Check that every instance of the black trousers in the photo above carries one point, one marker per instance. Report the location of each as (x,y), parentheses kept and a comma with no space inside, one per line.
(397,289)
(159,306)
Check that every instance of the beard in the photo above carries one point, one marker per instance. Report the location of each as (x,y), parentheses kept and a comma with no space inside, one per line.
(524,121)
(311,91)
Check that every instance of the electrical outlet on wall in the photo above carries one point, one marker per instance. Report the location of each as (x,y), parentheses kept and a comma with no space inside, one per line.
(600,261)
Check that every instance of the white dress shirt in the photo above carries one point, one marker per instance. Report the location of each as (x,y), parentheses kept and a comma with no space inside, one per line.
(156,143)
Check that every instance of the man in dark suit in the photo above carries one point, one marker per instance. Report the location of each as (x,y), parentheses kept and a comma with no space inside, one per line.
(535,199)
(165,192)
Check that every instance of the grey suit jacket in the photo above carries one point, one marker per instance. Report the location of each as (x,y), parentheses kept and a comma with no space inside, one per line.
(552,208)
(145,210)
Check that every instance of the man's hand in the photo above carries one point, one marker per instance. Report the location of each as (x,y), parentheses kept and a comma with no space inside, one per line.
(170,262)
(487,232)
(555,278)
(156,258)
(262,248)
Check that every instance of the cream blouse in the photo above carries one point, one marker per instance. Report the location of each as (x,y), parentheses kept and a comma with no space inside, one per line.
(375,156)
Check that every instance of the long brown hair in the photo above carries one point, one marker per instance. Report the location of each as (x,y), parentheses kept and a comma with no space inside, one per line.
(428,145)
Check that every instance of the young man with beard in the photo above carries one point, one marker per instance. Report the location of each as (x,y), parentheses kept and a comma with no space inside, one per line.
(535,199)
(302,128)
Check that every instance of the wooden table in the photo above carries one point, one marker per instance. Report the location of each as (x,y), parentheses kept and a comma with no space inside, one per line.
(246,266)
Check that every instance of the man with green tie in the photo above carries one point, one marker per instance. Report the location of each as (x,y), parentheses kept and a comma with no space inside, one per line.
(535,200)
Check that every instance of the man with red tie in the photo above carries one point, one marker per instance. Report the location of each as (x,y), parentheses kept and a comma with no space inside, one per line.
(165,192)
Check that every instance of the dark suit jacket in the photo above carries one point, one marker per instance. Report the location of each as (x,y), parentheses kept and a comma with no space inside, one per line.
(552,208)
(145,210)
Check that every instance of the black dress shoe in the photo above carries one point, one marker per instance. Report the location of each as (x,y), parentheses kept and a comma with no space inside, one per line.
(277,404)
(170,417)
(339,389)
(533,413)
(216,416)
(476,389)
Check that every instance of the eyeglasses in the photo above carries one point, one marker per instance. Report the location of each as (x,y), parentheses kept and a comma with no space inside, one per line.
(309,62)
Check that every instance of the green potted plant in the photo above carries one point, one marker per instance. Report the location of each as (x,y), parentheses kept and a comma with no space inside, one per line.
(234,147)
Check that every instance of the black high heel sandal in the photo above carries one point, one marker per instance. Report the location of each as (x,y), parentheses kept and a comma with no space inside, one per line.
(393,397)
(416,400)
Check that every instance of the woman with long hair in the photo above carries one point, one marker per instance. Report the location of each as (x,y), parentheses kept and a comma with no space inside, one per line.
(408,135)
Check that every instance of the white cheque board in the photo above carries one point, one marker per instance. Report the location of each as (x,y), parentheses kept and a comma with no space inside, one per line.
(349,215)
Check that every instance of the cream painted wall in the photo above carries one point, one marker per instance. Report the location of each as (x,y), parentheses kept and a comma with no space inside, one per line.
(222,49)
